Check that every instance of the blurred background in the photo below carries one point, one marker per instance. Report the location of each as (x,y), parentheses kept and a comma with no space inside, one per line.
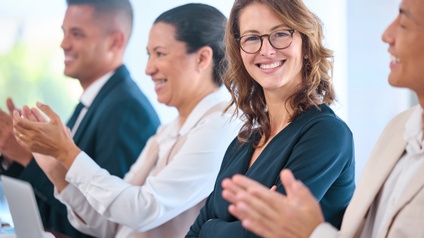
(31,60)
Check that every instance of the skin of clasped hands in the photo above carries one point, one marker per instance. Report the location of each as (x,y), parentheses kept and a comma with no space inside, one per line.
(9,147)
(49,139)
(270,214)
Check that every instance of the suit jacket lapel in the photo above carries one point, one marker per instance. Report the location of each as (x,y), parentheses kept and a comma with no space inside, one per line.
(416,184)
(120,74)
(384,157)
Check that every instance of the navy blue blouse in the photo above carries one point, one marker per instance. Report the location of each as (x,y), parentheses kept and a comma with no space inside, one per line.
(318,148)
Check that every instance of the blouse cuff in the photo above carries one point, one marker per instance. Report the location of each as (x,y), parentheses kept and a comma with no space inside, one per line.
(82,170)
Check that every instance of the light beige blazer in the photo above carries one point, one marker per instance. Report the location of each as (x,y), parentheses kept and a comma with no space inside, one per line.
(408,221)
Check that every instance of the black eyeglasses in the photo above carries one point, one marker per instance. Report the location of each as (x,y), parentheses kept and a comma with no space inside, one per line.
(252,43)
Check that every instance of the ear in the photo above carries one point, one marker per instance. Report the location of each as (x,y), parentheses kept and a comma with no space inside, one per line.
(204,58)
(117,41)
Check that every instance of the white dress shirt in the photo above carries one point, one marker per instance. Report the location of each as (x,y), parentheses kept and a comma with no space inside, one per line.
(103,201)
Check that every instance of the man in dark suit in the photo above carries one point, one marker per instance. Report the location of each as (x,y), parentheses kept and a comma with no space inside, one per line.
(113,120)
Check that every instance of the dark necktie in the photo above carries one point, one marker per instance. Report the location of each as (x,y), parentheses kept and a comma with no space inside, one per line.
(75,115)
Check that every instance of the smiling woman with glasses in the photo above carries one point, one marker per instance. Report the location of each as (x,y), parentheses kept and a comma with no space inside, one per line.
(279,77)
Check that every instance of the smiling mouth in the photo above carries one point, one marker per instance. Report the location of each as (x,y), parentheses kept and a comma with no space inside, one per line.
(394,59)
(271,66)
(160,82)
(69,57)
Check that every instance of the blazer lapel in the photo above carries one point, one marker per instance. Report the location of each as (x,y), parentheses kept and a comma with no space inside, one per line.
(416,185)
(382,160)
(120,74)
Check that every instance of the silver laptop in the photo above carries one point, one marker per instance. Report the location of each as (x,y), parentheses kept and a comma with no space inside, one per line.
(23,208)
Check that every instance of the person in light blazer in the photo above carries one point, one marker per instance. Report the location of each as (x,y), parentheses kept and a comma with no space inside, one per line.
(389,198)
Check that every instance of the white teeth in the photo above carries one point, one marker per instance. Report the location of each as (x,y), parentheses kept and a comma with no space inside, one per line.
(68,58)
(270,66)
(394,59)
(160,82)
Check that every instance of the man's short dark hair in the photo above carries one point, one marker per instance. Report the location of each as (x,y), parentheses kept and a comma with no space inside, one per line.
(121,8)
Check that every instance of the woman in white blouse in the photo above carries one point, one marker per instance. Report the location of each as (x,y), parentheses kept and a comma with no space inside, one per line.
(162,194)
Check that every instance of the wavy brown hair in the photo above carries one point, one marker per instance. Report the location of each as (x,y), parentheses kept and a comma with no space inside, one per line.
(248,96)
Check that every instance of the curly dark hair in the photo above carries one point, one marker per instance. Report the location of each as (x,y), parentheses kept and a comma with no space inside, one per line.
(248,96)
